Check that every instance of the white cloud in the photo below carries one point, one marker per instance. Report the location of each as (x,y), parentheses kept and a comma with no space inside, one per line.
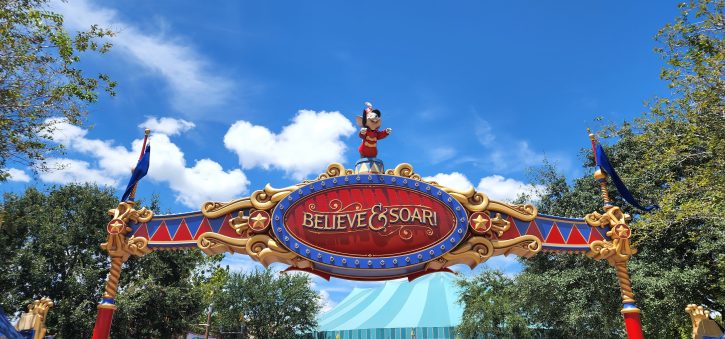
(110,158)
(168,126)
(453,180)
(484,132)
(326,302)
(18,175)
(204,181)
(66,171)
(505,154)
(495,186)
(439,154)
(504,189)
(508,264)
(306,146)
(192,84)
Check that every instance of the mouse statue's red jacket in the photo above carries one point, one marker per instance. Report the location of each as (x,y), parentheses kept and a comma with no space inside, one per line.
(369,146)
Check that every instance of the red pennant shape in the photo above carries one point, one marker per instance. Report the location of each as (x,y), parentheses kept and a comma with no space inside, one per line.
(142,232)
(227,229)
(512,232)
(576,237)
(595,235)
(555,236)
(182,234)
(162,234)
(203,228)
(534,230)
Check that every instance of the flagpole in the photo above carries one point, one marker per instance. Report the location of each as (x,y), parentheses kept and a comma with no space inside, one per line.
(600,175)
(630,312)
(143,150)
(107,306)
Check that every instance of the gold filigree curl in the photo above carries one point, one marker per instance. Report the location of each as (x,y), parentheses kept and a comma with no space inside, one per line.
(613,215)
(264,199)
(266,250)
(117,244)
(260,247)
(35,318)
(127,212)
(334,170)
(214,243)
(478,249)
(619,248)
(526,212)
(499,225)
(267,198)
(240,223)
(404,170)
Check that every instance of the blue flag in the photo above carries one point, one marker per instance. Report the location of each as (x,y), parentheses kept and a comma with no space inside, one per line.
(142,167)
(7,329)
(607,167)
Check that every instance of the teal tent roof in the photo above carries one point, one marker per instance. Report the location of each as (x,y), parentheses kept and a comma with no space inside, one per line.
(429,301)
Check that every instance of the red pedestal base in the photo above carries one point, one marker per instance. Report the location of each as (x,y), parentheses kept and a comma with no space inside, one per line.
(632,323)
(103,321)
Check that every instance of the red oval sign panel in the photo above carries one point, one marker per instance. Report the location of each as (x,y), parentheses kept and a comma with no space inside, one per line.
(369,221)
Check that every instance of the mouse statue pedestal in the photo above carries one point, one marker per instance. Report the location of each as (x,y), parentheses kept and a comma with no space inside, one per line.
(369,165)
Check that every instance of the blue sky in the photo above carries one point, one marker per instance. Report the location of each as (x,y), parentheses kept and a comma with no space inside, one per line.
(240,94)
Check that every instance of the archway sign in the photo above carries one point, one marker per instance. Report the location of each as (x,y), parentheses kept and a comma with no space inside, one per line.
(369,224)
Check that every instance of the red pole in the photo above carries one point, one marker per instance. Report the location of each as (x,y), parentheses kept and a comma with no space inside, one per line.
(107,306)
(103,320)
(632,322)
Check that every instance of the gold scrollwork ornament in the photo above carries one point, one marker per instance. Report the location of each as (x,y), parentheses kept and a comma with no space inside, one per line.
(117,244)
(478,249)
(259,247)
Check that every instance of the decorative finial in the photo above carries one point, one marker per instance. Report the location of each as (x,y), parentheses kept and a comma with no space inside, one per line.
(147,131)
(600,175)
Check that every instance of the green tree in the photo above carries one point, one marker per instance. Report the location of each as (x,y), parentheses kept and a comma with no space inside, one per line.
(161,294)
(51,248)
(264,304)
(672,156)
(40,77)
(491,309)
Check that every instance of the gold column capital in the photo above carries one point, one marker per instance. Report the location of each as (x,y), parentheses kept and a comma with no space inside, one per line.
(616,251)
(117,244)
(619,248)
(35,317)
(120,247)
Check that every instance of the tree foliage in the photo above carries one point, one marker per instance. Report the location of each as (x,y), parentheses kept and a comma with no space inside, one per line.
(263,304)
(161,295)
(674,156)
(51,248)
(491,309)
(40,77)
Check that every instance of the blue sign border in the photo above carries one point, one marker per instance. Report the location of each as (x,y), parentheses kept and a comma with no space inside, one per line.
(377,263)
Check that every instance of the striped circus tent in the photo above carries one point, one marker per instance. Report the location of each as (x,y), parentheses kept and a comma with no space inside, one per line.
(424,308)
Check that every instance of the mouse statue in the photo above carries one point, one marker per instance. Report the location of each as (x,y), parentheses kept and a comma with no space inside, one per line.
(370,122)
(370,133)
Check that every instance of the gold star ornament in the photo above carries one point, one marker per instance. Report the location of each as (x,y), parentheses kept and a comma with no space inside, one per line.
(258,220)
(480,222)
